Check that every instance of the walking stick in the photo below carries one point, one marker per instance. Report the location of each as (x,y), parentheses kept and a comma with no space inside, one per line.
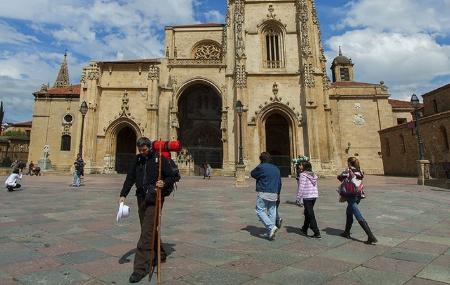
(157,228)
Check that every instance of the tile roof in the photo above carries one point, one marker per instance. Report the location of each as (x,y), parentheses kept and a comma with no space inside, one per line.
(22,124)
(69,90)
(400,104)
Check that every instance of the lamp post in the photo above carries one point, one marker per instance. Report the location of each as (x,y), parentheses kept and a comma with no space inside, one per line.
(416,104)
(239,108)
(83,111)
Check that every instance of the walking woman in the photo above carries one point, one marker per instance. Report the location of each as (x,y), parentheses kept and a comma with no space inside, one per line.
(308,193)
(351,191)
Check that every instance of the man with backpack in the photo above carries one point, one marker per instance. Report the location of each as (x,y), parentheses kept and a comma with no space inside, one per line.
(144,174)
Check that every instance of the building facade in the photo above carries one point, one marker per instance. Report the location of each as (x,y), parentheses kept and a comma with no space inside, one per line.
(268,55)
(400,145)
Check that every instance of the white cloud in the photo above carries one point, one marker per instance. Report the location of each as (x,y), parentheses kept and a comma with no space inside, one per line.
(9,35)
(397,42)
(214,16)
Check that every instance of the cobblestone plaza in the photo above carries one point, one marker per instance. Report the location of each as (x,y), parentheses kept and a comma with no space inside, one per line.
(53,234)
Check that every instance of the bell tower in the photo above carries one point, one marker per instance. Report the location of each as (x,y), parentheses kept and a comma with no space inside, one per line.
(342,68)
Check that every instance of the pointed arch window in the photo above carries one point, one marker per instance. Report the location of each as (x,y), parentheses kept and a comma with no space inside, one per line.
(273,48)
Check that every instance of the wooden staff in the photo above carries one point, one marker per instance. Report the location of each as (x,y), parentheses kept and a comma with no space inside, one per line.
(158,195)
(157,227)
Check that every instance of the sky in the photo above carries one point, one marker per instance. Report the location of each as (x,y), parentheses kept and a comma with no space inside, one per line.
(405,43)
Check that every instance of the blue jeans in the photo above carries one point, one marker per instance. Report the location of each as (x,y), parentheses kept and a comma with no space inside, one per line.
(76,179)
(266,212)
(352,209)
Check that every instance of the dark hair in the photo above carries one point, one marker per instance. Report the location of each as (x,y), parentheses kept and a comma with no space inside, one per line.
(144,142)
(306,165)
(265,157)
(354,162)
(16,171)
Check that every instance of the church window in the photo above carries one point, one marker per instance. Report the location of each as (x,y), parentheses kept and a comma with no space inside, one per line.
(435,105)
(403,143)
(345,74)
(445,138)
(401,121)
(273,48)
(66,142)
(208,50)
(388,147)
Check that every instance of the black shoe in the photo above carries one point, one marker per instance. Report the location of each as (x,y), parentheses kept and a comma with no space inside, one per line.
(345,234)
(317,236)
(279,223)
(304,232)
(136,277)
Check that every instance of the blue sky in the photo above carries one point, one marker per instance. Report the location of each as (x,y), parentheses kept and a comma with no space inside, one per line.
(405,43)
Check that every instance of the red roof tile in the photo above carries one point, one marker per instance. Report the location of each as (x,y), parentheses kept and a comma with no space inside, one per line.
(70,90)
(400,104)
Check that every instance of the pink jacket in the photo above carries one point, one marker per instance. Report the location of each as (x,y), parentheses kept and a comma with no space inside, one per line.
(307,186)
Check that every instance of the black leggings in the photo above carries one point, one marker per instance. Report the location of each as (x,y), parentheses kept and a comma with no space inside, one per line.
(310,218)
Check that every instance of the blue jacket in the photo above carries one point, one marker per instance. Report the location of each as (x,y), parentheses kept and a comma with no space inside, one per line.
(268,178)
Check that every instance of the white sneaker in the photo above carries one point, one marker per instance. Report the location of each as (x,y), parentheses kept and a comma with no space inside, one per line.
(272,232)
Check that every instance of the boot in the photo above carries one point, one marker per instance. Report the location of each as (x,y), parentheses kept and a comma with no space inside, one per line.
(371,238)
(348,227)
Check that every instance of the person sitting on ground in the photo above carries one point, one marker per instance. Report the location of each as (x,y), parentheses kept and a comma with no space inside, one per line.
(11,181)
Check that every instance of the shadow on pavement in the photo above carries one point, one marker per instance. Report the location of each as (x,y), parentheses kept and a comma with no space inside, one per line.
(168,247)
(338,232)
(255,231)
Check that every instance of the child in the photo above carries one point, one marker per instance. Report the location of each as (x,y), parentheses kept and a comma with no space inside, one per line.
(11,181)
(353,198)
(307,190)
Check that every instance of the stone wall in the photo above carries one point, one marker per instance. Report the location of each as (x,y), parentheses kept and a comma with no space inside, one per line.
(400,149)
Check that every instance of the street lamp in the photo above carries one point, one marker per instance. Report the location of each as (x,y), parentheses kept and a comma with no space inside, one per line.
(416,105)
(83,111)
(239,108)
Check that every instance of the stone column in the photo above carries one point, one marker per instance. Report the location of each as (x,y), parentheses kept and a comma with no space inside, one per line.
(241,180)
(423,170)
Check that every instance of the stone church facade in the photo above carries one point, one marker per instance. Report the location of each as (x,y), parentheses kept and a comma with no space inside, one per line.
(267,54)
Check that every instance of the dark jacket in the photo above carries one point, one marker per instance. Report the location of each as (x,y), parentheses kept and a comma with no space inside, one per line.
(79,166)
(149,165)
(268,178)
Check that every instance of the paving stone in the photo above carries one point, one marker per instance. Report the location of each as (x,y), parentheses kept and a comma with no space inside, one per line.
(278,256)
(290,275)
(213,275)
(409,255)
(433,239)
(427,247)
(215,257)
(436,273)
(420,281)
(351,256)
(368,276)
(324,265)
(81,256)
(60,276)
(394,265)
(252,267)
(8,257)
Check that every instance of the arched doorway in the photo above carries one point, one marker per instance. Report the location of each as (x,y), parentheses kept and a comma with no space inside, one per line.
(125,149)
(278,142)
(200,109)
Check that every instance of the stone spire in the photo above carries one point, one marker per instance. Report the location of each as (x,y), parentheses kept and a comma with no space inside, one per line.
(63,76)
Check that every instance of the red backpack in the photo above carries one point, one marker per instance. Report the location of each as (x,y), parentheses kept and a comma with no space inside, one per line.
(351,185)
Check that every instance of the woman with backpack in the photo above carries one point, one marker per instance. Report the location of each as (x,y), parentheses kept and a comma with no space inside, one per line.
(351,191)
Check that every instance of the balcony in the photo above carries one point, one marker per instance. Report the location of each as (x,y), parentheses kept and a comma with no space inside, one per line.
(177,62)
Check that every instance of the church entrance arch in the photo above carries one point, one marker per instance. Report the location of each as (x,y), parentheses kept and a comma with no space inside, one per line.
(278,136)
(125,149)
(200,115)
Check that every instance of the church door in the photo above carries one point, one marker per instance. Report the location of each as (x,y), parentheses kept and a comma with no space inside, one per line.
(278,142)
(126,149)
(200,109)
